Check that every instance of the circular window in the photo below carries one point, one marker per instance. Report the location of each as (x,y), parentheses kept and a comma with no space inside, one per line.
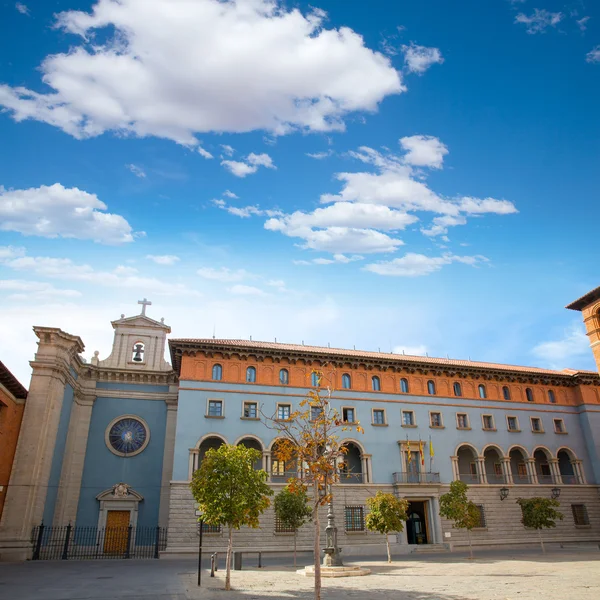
(127,435)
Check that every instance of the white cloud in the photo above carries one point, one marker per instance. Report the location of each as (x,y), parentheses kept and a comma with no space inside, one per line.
(7,252)
(418,59)
(420,350)
(582,23)
(337,258)
(34,290)
(55,211)
(416,265)
(246,290)
(230,194)
(227,150)
(223,274)
(163,259)
(539,20)
(339,240)
(24,10)
(125,270)
(440,225)
(175,68)
(245,211)
(559,354)
(137,171)
(319,155)
(251,164)
(424,151)
(204,153)
(593,56)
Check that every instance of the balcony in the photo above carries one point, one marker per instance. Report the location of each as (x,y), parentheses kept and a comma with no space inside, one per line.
(569,479)
(469,478)
(351,478)
(409,477)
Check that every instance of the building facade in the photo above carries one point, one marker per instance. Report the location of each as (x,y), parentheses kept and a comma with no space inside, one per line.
(115,442)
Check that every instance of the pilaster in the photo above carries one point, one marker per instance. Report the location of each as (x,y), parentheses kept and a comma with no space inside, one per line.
(481,469)
(168,457)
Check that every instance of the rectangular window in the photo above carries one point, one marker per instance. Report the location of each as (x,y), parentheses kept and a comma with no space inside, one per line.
(545,470)
(536,425)
(488,422)
(281,527)
(315,412)
(473,469)
(512,423)
(580,514)
(355,518)
(462,421)
(206,528)
(408,418)
(481,510)
(283,411)
(250,410)
(378,416)
(522,470)
(278,467)
(435,419)
(559,426)
(348,415)
(498,470)
(215,408)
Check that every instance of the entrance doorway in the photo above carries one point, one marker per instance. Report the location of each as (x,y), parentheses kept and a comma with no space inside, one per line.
(416,525)
(116,532)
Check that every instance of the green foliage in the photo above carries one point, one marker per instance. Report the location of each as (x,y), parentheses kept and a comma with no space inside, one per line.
(539,513)
(387,513)
(227,488)
(291,507)
(455,506)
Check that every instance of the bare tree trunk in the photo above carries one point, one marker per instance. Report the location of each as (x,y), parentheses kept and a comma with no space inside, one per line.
(317,550)
(387,543)
(541,541)
(470,546)
(228,560)
(295,536)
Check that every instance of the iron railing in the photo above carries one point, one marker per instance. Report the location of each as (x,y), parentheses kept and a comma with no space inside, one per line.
(410,477)
(83,543)
(351,477)
(472,478)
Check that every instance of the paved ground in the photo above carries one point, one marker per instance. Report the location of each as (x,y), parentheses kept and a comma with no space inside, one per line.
(526,575)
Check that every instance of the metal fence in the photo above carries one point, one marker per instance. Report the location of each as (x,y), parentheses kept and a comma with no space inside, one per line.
(81,543)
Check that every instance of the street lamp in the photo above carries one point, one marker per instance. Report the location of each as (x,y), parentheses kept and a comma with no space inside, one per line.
(200,515)
(503,493)
(555,492)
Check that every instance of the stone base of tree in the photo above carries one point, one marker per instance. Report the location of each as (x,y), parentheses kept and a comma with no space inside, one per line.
(335,571)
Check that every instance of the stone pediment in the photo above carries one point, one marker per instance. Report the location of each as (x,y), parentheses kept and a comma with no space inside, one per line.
(120,491)
(141,321)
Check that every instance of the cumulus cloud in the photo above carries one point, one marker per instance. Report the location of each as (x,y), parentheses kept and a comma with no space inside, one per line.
(163,259)
(227,150)
(593,56)
(417,59)
(249,165)
(236,66)
(424,151)
(559,354)
(20,289)
(416,265)
(22,8)
(55,211)
(7,252)
(137,171)
(539,20)
(229,194)
(223,274)
(204,153)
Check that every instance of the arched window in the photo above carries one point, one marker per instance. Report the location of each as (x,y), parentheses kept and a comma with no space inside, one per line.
(251,375)
(376,383)
(482,392)
(457,389)
(138,352)
(217,372)
(529,394)
(551,397)
(404,385)
(284,377)
(346,381)
(431,387)
(314,379)
(506,392)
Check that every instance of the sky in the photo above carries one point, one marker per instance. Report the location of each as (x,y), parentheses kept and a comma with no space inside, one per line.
(416,176)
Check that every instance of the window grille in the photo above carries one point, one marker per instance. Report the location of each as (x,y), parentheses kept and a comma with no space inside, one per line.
(355,518)
(206,528)
(580,514)
(282,527)
(482,521)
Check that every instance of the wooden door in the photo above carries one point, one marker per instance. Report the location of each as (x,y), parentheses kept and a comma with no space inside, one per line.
(115,534)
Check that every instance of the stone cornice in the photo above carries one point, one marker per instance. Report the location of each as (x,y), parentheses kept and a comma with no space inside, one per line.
(104,374)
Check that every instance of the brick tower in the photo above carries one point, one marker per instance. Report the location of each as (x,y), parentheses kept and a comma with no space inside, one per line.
(589,306)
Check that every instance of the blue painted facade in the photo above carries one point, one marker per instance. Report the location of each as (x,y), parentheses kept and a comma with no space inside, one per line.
(103,469)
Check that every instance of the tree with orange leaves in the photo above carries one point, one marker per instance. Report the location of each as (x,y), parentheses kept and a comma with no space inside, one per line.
(310,438)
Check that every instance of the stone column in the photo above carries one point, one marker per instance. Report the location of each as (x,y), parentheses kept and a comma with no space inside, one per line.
(67,498)
(369,468)
(555,470)
(531,472)
(267,463)
(455,469)
(578,471)
(506,470)
(193,464)
(26,497)
(481,469)
(168,457)
(436,520)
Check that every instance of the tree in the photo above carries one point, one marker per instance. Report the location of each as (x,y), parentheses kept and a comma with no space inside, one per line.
(230,492)
(539,513)
(387,514)
(310,439)
(291,508)
(455,506)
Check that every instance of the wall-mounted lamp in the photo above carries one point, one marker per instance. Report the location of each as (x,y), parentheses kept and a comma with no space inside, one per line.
(555,493)
(503,493)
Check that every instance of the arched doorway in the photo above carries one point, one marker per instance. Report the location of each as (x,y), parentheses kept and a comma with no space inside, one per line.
(518,466)
(542,466)
(253,443)
(281,470)
(467,464)
(416,524)
(565,466)
(493,465)
(207,444)
(351,470)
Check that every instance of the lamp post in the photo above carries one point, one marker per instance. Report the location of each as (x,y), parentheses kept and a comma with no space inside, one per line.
(201,525)
(555,493)
(332,556)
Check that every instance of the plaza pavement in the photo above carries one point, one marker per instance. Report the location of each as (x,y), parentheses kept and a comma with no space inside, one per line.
(507,575)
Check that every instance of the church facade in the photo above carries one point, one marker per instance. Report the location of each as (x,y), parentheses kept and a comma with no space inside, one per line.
(118,439)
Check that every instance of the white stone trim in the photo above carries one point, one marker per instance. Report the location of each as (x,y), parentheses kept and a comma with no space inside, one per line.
(123,454)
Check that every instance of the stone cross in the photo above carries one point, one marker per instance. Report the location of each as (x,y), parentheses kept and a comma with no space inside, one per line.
(144,303)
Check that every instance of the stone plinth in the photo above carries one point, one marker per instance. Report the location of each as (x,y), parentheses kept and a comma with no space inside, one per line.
(335,571)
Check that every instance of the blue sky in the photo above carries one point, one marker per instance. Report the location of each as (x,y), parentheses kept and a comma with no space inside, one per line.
(411,175)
